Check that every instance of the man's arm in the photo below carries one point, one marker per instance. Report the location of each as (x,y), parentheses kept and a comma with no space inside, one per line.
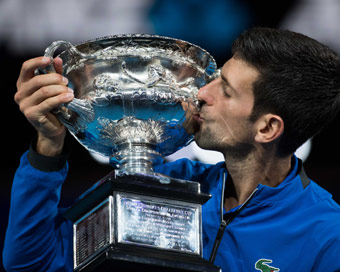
(37,237)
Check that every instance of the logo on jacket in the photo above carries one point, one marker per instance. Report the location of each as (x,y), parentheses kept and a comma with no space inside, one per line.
(263,266)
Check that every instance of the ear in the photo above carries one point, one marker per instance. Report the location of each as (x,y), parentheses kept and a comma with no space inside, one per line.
(269,128)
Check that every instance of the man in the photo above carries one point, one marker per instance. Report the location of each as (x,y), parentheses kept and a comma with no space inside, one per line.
(278,89)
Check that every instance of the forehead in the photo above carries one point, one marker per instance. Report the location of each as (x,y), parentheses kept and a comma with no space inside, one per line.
(239,74)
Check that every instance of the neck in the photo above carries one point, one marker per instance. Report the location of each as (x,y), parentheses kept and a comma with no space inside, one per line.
(247,173)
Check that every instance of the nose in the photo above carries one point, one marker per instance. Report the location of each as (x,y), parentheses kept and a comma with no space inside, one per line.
(205,94)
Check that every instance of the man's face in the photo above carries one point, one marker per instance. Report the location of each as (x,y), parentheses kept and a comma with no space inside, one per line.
(223,120)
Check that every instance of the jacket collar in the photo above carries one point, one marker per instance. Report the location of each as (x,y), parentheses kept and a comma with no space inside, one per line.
(295,181)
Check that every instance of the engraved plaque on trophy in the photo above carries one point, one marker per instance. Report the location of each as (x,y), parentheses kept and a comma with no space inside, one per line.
(131,92)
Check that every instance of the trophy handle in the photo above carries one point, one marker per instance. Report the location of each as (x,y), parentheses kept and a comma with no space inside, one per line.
(81,107)
(73,51)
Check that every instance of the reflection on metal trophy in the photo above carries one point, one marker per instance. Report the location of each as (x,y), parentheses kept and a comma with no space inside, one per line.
(131,92)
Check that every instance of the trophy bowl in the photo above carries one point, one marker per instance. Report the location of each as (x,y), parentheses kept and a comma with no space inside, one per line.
(130,95)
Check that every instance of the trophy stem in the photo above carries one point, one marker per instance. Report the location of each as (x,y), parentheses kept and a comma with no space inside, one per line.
(136,158)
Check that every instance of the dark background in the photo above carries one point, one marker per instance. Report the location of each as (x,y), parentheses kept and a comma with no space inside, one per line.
(322,164)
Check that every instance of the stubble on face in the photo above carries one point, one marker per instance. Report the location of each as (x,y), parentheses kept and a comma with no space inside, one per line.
(211,138)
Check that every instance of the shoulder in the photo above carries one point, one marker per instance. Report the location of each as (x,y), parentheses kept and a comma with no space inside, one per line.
(326,214)
(324,198)
(327,231)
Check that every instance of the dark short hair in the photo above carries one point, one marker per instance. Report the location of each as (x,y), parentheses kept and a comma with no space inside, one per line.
(299,81)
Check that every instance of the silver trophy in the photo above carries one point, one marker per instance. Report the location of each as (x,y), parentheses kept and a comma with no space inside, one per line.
(131,95)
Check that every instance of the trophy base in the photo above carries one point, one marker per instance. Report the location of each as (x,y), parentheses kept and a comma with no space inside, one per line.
(138,222)
(132,259)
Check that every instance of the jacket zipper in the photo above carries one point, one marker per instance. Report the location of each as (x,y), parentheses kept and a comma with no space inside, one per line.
(225,223)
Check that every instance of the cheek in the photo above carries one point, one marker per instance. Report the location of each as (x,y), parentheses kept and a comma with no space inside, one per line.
(225,128)
(234,129)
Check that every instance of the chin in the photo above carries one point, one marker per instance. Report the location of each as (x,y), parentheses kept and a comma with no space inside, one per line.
(204,143)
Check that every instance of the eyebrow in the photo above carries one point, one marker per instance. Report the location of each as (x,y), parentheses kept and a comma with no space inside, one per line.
(227,82)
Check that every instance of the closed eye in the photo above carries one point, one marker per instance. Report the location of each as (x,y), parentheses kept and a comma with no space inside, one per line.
(225,88)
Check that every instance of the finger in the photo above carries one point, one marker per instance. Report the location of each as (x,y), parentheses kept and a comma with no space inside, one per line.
(47,105)
(42,94)
(28,88)
(53,102)
(29,66)
(58,65)
(43,80)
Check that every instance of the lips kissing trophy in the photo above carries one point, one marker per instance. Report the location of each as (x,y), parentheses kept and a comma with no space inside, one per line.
(131,92)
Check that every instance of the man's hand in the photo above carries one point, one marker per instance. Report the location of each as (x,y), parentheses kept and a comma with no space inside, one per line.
(37,96)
